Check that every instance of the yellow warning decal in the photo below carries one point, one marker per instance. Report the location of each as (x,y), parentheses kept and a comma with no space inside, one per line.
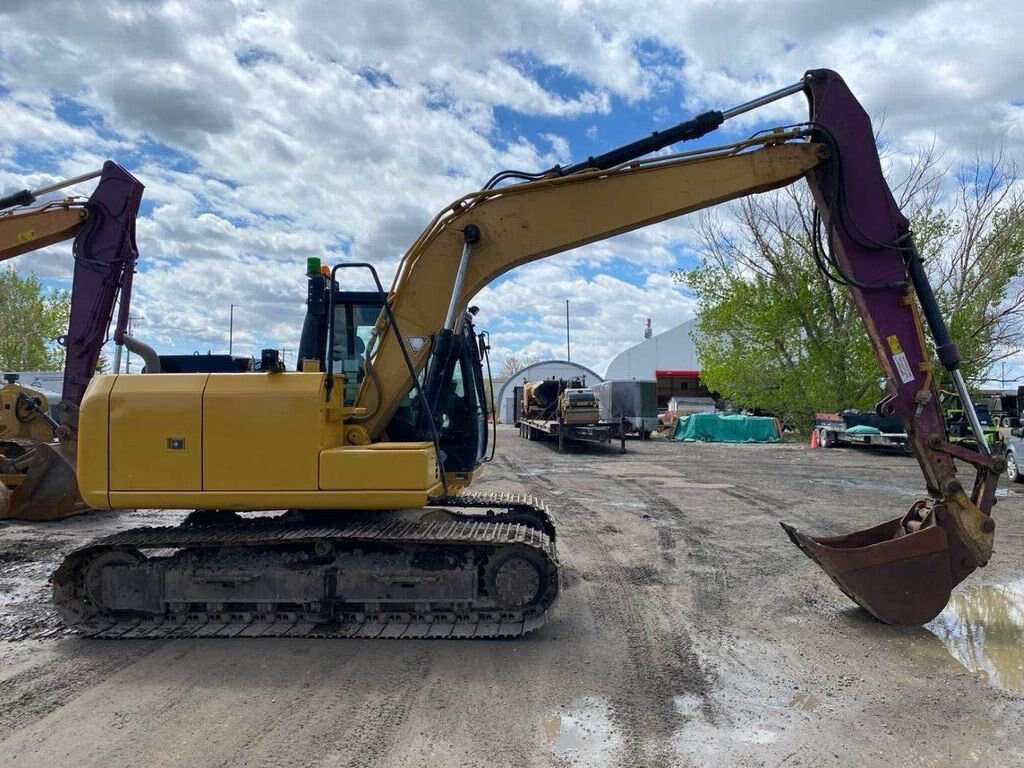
(894,344)
(28,234)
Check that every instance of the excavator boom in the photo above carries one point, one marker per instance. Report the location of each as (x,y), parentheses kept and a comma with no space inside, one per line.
(530,221)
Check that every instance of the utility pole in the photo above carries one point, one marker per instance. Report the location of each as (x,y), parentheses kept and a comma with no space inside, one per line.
(231,331)
(568,349)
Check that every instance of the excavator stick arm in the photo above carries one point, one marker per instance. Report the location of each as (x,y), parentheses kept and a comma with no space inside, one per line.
(105,256)
(903,570)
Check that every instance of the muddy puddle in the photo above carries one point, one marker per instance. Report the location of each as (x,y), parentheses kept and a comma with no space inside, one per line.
(584,733)
(983,629)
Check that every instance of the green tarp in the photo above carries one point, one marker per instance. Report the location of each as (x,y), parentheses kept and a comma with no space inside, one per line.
(863,429)
(712,428)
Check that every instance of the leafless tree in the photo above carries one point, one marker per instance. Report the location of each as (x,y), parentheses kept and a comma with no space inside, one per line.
(779,329)
(513,364)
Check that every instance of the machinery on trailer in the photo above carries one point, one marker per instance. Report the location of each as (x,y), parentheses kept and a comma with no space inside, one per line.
(37,441)
(371,444)
(567,410)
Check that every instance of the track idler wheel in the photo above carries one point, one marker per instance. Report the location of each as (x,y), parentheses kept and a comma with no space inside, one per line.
(78,582)
(516,579)
(902,571)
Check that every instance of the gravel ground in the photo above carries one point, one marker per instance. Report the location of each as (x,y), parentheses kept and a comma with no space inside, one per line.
(689,632)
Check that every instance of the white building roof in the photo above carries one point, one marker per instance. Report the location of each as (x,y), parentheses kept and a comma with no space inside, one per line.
(672,350)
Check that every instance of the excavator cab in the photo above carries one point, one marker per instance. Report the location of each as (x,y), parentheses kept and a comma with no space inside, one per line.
(355,315)
(454,389)
(458,407)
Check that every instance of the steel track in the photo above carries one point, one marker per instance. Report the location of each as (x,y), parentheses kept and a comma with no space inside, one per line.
(474,524)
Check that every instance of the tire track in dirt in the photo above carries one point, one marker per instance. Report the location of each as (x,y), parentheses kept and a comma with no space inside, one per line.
(323,716)
(706,566)
(394,700)
(660,663)
(33,693)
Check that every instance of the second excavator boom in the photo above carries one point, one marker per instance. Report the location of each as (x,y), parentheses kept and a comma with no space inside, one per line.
(41,472)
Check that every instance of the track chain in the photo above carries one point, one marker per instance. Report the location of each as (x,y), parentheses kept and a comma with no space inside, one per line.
(468,530)
(515,503)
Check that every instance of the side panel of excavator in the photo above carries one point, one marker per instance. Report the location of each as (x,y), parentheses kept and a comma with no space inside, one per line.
(237,441)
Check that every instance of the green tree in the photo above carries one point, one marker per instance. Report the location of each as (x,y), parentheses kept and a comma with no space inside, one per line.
(30,322)
(776,333)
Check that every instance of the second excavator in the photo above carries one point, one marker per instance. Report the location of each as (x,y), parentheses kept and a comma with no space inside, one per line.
(370,445)
(37,446)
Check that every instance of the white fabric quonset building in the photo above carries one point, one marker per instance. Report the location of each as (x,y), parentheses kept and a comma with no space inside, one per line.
(547,369)
(670,358)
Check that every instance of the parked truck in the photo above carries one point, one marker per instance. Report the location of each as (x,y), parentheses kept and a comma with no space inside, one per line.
(1005,406)
(959,429)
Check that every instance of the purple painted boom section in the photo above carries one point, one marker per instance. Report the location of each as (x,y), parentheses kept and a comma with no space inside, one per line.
(856,202)
(105,256)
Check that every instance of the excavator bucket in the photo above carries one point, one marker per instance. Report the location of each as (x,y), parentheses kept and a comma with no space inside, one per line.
(49,490)
(901,572)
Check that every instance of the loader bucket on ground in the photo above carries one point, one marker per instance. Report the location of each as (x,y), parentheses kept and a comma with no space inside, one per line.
(49,490)
(898,576)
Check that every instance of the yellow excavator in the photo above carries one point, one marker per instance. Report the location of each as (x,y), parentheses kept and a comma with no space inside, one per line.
(37,443)
(370,445)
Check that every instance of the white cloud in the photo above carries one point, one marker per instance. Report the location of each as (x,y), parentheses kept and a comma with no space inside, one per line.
(299,129)
(607,314)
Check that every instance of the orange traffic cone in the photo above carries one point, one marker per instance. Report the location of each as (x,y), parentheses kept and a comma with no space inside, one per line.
(814,439)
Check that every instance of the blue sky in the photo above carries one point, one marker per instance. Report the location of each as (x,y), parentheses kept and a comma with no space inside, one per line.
(269,133)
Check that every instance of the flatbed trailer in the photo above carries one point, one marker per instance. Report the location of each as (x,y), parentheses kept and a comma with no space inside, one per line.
(600,432)
(836,431)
